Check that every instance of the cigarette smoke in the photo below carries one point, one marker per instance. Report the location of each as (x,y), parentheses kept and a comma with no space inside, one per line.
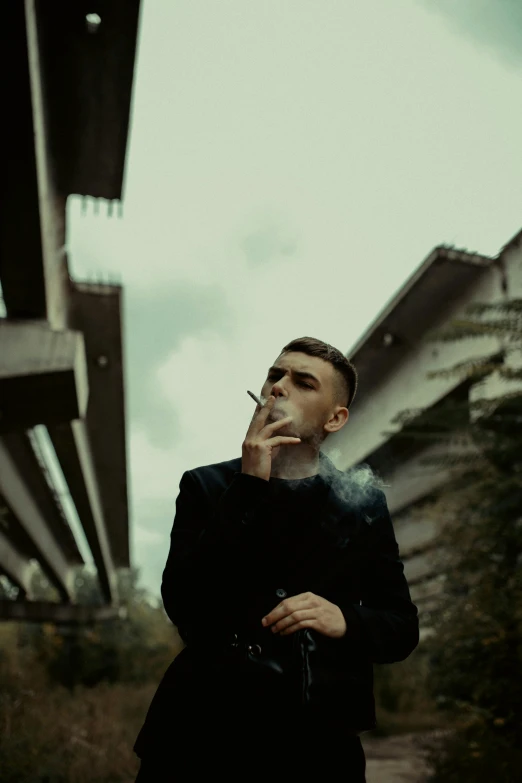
(357,485)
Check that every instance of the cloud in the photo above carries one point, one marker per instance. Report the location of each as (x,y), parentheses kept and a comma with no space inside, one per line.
(165,316)
(153,515)
(207,379)
(269,241)
(154,471)
(494,24)
(151,562)
(156,322)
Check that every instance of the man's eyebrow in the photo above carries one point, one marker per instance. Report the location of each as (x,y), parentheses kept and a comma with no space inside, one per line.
(298,373)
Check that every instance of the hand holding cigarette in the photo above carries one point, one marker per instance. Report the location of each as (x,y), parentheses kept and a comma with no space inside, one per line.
(260,444)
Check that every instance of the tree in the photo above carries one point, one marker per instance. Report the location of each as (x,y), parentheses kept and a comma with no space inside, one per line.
(136,647)
(476,652)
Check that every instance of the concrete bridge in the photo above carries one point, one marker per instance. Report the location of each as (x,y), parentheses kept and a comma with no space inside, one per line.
(393,358)
(67,115)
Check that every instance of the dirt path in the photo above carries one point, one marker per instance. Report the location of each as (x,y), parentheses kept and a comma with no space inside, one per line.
(395,759)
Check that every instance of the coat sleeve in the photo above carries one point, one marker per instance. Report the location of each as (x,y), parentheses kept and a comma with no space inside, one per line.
(209,547)
(385,621)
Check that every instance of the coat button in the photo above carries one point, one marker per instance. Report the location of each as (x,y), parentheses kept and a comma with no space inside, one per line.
(281,593)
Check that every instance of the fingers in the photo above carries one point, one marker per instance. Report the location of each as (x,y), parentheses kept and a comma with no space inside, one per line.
(306,610)
(289,605)
(301,618)
(301,624)
(276,425)
(258,423)
(260,416)
(282,440)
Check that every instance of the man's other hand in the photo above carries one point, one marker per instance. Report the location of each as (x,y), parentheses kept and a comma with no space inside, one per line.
(306,610)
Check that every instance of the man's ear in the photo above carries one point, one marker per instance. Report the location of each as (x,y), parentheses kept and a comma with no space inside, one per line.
(337,420)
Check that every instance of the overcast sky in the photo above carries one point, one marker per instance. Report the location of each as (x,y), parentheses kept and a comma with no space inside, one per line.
(291,162)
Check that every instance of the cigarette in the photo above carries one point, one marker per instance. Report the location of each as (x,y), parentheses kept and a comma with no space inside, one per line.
(256,399)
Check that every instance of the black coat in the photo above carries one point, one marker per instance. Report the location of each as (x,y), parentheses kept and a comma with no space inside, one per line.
(215,590)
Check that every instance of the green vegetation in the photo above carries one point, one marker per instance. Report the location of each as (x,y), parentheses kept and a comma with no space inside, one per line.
(402,699)
(476,651)
(73,700)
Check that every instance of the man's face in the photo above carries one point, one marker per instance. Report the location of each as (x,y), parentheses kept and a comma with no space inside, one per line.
(304,387)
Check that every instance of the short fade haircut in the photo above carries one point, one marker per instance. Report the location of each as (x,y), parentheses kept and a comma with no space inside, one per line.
(346,372)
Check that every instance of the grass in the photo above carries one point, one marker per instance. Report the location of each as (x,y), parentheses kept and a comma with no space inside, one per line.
(49,734)
(53,735)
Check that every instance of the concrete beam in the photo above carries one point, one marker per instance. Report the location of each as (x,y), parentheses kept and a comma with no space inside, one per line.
(15,566)
(413,479)
(33,266)
(59,614)
(30,465)
(97,311)
(426,605)
(51,201)
(511,260)
(423,474)
(429,590)
(389,386)
(425,632)
(419,568)
(43,375)
(409,479)
(73,449)
(88,125)
(21,501)
(414,532)
(21,265)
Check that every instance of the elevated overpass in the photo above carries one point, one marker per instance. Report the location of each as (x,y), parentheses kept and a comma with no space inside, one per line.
(393,360)
(61,359)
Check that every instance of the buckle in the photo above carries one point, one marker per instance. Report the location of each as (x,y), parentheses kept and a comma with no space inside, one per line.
(235,642)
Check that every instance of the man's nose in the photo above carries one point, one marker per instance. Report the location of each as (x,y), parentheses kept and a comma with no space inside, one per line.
(278,389)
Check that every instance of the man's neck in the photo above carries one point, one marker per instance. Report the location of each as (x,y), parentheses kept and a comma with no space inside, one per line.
(292,462)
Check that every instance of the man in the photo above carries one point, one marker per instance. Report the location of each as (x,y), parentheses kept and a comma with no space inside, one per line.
(285,583)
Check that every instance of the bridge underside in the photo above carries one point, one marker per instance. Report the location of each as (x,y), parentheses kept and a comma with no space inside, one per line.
(61,355)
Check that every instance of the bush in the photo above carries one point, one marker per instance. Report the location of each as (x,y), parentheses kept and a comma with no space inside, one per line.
(402,699)
(49,734)
(73,700)
(134,649)
(474,753)
(476,651)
